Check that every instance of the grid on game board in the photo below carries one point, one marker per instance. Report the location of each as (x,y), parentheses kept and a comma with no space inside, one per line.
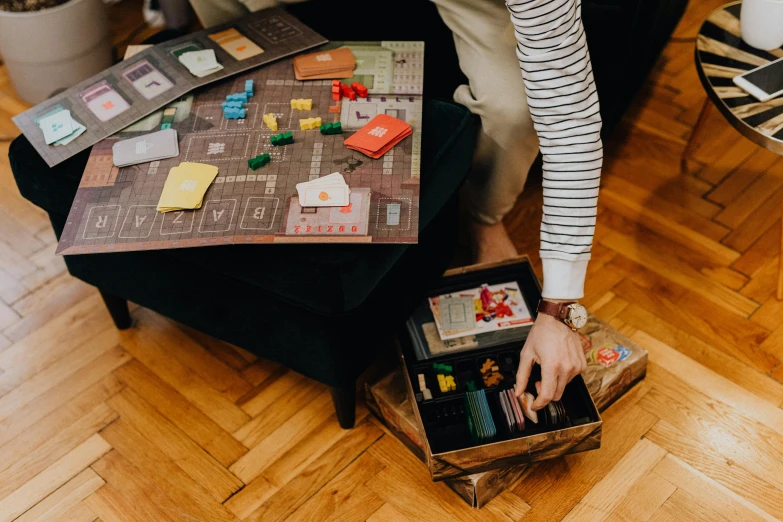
(243,204)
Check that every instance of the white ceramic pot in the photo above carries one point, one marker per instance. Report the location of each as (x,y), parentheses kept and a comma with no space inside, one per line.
(52,49)
(762,23)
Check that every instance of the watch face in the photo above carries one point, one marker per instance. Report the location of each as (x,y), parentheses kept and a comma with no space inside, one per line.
(577,315)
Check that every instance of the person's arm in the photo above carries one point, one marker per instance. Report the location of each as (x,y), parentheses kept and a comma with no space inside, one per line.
(558,77)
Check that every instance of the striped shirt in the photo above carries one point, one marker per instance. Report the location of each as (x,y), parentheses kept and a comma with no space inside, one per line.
(563,102)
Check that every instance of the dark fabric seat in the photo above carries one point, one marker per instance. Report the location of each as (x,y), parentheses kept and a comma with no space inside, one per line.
(322,309)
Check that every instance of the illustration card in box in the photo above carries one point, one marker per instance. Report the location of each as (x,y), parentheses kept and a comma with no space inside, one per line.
(479,317)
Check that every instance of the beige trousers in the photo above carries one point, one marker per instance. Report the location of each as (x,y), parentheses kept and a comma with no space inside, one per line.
(485,43)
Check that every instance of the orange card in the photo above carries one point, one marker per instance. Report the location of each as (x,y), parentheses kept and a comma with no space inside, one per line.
(348,73)
(325,61)
(378,133)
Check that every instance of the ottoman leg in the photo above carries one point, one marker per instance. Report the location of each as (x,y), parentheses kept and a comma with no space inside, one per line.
(345,405)
(118,309)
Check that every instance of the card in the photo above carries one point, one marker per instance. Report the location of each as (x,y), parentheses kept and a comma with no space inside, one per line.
(147,80)
(236,44)
(56,126)
(324,196)
(336,75)
(325,61)
(379,135)
(78,130)
(502,400)
(496,307)
(104,101)
(334,178)
(199,61)
(150,147)
(185,186)
(456,313)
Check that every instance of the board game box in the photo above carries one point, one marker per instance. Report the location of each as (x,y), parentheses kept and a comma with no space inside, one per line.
(462,393)
(130,90)
(620,365)
(115,208)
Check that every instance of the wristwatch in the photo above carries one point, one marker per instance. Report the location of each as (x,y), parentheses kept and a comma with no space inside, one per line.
(572,313)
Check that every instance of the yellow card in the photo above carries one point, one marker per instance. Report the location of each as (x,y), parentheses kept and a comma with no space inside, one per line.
(185,186)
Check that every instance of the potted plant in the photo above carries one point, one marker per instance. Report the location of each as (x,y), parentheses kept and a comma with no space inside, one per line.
(50,45)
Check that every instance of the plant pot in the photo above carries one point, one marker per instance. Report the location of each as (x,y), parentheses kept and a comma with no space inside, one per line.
(50,50)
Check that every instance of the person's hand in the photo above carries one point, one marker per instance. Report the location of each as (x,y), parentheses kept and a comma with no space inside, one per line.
(558,350)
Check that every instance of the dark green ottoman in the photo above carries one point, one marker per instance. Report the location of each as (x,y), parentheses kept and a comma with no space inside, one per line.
(321,310)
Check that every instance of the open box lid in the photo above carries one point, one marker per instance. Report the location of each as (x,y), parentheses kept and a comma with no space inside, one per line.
(451,454)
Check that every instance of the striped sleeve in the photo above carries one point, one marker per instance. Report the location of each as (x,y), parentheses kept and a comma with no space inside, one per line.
(558,76)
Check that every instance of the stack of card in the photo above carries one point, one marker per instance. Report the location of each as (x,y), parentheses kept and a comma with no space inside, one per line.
(379,135)
(479,416)
(323,65)
(512,412)
(185,186)
(150,147)
(59,128)
(328,191)
(200,63)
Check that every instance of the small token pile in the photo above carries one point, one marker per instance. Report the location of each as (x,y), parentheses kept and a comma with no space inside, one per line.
(490,373)
(234,106)
(444,374)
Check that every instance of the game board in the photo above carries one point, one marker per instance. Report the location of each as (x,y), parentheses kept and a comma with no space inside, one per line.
(132,89)
(115,209)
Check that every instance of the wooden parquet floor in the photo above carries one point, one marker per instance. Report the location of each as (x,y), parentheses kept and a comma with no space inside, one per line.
(161,423)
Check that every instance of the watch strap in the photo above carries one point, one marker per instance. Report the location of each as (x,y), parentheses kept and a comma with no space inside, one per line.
(557,310)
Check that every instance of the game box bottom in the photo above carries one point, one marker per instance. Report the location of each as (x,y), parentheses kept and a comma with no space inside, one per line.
(467,414)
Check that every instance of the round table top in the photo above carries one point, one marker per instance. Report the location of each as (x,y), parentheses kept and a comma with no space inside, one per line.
(720,56)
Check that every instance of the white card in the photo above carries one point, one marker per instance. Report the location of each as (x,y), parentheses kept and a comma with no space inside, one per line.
(78,130)
(57,126)
(324,196)
(199,61)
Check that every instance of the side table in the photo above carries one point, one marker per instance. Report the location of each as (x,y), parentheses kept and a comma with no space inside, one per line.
(720,56)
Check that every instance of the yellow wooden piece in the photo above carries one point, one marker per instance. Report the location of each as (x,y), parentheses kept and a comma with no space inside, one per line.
(309,123)
(270,121)
(302,104)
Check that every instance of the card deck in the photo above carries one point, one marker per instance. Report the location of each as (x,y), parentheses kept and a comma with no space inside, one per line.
(141,149)
(379,135)
(325,64)
(328,191)
(185,186)
(200,63)
(59,127)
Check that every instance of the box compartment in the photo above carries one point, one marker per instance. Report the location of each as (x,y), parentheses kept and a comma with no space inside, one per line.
(450,448)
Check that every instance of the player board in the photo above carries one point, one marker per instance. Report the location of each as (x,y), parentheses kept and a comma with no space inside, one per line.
(132,89)
(115,208)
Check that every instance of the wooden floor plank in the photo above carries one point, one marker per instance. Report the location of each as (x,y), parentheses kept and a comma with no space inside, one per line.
(607,494)
(684,262)
(192,421)
(65,502)
(720,469)
(53,477)
(168,438)
(154,463)
(170,370)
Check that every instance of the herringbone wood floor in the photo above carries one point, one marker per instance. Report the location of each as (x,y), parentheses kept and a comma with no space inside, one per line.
(160,423)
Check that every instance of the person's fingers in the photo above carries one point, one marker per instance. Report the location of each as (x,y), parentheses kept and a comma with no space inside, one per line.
(523,374)
(549,377)
(562,379)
